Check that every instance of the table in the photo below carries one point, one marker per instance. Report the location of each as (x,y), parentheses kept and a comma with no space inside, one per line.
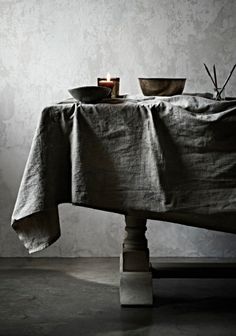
(166,158)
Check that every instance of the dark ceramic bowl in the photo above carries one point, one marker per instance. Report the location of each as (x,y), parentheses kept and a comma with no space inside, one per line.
(162,86)
(90,94)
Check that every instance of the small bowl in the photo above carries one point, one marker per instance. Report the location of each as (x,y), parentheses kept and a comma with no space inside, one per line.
(90,94)
(162,86)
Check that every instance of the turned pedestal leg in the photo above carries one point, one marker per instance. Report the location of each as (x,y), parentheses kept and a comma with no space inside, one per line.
(135,273)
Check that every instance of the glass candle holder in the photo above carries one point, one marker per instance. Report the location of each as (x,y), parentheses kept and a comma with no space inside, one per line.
(113,83)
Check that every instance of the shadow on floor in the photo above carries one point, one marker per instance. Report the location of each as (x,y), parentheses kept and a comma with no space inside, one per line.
(45,302)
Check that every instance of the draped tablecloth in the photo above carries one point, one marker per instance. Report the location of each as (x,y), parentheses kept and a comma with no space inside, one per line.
(171,158)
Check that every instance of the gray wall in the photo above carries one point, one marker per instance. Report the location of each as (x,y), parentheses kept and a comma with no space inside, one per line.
(48,46)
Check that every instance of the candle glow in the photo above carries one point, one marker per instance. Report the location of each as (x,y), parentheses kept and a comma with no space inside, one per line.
(112,83)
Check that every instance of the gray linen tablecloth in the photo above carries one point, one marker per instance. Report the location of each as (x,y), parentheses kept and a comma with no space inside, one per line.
(171,158)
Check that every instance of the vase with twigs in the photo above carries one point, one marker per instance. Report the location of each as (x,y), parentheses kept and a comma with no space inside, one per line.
(219,91)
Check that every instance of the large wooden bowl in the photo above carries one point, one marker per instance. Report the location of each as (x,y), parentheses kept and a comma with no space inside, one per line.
(90,94)
(162,86)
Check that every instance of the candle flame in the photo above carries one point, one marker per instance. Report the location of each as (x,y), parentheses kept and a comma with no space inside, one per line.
(108,77)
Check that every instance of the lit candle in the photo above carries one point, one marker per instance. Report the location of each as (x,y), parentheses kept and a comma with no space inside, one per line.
(108,82)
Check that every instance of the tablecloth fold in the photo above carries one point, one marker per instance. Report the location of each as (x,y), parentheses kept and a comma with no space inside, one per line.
(172,158)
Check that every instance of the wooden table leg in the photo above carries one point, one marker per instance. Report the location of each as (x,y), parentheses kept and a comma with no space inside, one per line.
(135,272)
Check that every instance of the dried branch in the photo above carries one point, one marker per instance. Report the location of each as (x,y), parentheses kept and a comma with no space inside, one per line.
(214,82)
(209,75)
(231,72)
(215,77)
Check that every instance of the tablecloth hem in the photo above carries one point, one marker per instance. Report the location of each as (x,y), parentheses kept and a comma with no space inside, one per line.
(44,245)
(39,229)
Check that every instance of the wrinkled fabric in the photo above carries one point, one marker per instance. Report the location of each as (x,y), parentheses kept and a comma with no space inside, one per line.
(171,158)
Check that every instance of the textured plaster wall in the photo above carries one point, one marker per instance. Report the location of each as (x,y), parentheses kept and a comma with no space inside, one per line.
(47,46)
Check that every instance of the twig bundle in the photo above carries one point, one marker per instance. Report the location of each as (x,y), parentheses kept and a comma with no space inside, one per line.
(215,82)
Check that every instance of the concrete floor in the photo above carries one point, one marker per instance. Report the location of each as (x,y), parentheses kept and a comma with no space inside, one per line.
(80,297)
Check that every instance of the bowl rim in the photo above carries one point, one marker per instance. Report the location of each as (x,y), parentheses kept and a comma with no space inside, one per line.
(162,78)
(90,87)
